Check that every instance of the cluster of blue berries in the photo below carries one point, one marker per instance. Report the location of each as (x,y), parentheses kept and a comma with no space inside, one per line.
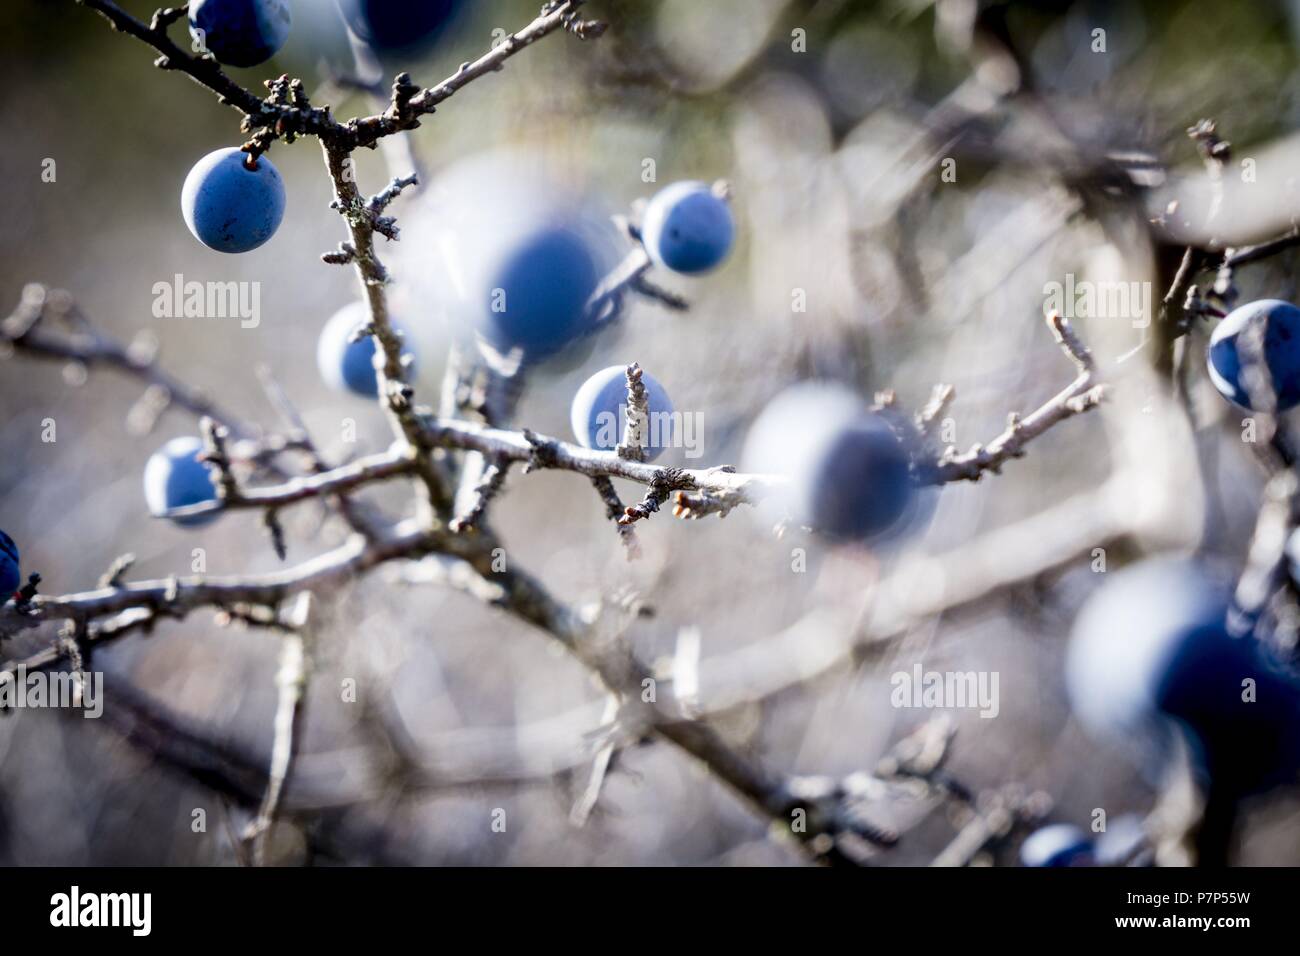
(250,32)
(546,274)
(1161,663)
(231,202)
(527,292)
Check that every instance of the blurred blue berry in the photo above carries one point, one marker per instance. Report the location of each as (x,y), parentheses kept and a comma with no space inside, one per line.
(350,366)
(399,25)
(1057,844)
(1151,657)
(534,290)
(174,478)
(240,32)
(849,470)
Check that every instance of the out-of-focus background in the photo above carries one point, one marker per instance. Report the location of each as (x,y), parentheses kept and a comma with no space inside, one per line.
(906,176)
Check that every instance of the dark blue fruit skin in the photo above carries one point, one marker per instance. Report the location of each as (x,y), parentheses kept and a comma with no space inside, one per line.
(863,482)
(687,229)
(229,207)
(546,279)
(603,394)
(350,366)
(1057,844)
(1246,746)
(10,575)
(174,478)
(1151,656)
(397,25)
(847,469)
(1281,321)
(241,32)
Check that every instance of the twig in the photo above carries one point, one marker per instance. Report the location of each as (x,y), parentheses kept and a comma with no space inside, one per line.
(292,682)
(638,413)
(1079,396)
(614,510)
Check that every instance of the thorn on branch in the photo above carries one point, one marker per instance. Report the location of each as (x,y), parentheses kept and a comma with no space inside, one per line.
(26,593)
(941,398)
(400,105)
(344,255)
(580,28)
(542,452)
(379,202)
(1071,344)
(490,483)
(214,453)
(112,578)
(272,521)
(661,295)
(691,506)
(165,17)
(614,510)
(664,483)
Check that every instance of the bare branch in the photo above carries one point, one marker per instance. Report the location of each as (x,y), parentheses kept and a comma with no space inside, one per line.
(1076,398)
(292,682)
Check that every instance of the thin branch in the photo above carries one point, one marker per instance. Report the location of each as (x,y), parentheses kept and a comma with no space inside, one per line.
(1079,396)
(614,510)
(292,682)
(381,466)
(406,108)
(26,329)
(636,426)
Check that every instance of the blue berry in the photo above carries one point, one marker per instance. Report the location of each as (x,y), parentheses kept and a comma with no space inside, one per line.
(599,410)
(1151,657)
(174,478)
(398,25)
(686,228)
(1229,352)
(240,32)
(1057,844)
(229,207)
(849,470)
(510,255)
(10,574)
(534,290)
(350,366)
